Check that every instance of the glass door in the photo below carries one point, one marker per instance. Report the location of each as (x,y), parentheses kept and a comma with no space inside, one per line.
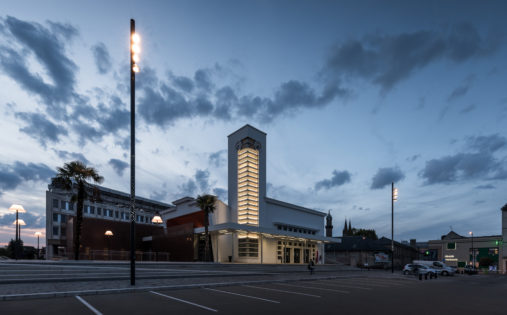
(287,255)
(297,255)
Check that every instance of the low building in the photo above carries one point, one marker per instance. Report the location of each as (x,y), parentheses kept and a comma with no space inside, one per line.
(458,251)
(362,251)
(503,247)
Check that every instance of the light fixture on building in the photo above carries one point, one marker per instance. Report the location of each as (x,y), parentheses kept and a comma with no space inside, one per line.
(157,219)
(108,233)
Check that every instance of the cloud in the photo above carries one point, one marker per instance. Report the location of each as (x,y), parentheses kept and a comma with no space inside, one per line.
(31,220)
(102,58)
(386,60)
(202,180)
(462,89)
(413,157)
(339,178)
(489,143)
(71,156)
(41,128)
(467,109)
(386,176)
(118,165)
(47,45)
(461,166)
(11,176)
(355,207)
(488,186)
(220,193)
(217,159)
(161,103)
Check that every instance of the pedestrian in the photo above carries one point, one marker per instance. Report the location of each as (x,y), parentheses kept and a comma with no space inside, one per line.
(311,266)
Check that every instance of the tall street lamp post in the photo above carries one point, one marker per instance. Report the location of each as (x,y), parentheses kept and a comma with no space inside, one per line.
(108,235)
(394,197)
(134,59)
(18,209)
(473,251)
(38,234)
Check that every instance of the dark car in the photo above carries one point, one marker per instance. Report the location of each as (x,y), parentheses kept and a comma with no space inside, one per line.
(471,270)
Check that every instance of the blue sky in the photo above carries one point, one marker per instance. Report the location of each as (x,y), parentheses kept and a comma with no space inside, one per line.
(352,94)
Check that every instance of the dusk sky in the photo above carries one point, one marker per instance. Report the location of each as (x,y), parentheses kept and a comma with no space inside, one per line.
(352,95)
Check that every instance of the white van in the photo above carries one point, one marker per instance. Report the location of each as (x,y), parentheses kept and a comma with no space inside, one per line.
(439,266)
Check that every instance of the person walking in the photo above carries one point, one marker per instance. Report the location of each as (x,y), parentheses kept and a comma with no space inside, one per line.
(311,266)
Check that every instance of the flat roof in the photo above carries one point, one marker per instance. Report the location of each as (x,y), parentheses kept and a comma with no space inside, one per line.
(293,206)
(236,227)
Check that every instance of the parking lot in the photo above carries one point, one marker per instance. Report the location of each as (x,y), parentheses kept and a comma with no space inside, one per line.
(365,294)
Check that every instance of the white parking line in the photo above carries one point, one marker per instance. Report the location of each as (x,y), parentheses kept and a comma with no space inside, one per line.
(314,288)
(284,291)
(344,286)
(243,295)
(184,301)
(378,282)
(93,309)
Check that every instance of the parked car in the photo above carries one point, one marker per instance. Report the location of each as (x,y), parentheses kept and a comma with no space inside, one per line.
(416,269)
(471,270)
(440,267)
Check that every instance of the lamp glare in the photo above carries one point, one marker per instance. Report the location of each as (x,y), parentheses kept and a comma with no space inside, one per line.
(135,68)
(136,38)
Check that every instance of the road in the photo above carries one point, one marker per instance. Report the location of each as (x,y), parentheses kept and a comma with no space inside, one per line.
(346,293)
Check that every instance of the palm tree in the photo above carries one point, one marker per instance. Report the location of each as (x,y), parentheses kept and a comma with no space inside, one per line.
(76,173)
(207,204)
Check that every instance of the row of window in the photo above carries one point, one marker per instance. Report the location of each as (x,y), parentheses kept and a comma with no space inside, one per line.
(294,229)
(59,231)
(125,216)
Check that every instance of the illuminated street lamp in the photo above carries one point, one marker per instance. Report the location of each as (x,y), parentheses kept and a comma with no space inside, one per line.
(135,49)
(17,209)
(157,219)
(394,197)
(38,234)
(109,234)
(19,223)
(473,252)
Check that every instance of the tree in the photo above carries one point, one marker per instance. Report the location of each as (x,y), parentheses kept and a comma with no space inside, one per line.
(371,234)
(15,249)
(207,204)
(76,173)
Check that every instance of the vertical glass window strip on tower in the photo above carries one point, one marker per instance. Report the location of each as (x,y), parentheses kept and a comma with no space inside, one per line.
(248,186)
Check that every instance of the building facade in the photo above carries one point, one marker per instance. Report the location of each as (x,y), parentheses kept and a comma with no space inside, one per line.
(459,251)
(254,228)
(111,213)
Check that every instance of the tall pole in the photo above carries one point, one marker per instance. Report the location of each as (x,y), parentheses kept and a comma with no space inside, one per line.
(132,160)
(17,227)
(392,227)
(473,251)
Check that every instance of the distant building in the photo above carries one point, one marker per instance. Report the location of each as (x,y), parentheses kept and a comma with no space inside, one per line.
(503,247)
(362,251)
(456,250)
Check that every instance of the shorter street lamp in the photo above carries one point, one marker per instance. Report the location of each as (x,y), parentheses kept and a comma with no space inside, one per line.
(38,234)
(108,235)
(157,219)
(473,251)
(17,209)
(19,223)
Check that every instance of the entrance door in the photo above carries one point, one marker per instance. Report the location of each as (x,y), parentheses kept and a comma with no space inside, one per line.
(287,255)
(306,256)
(297,255)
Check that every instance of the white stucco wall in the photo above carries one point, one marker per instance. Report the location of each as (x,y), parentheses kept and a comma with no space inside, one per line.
(277,213)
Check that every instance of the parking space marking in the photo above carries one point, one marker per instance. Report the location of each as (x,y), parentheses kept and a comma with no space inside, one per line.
(315,288)
(248,296)
(372,284)
(184,301)
(376,282)
(344,286)
(284,291)
(93,309)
